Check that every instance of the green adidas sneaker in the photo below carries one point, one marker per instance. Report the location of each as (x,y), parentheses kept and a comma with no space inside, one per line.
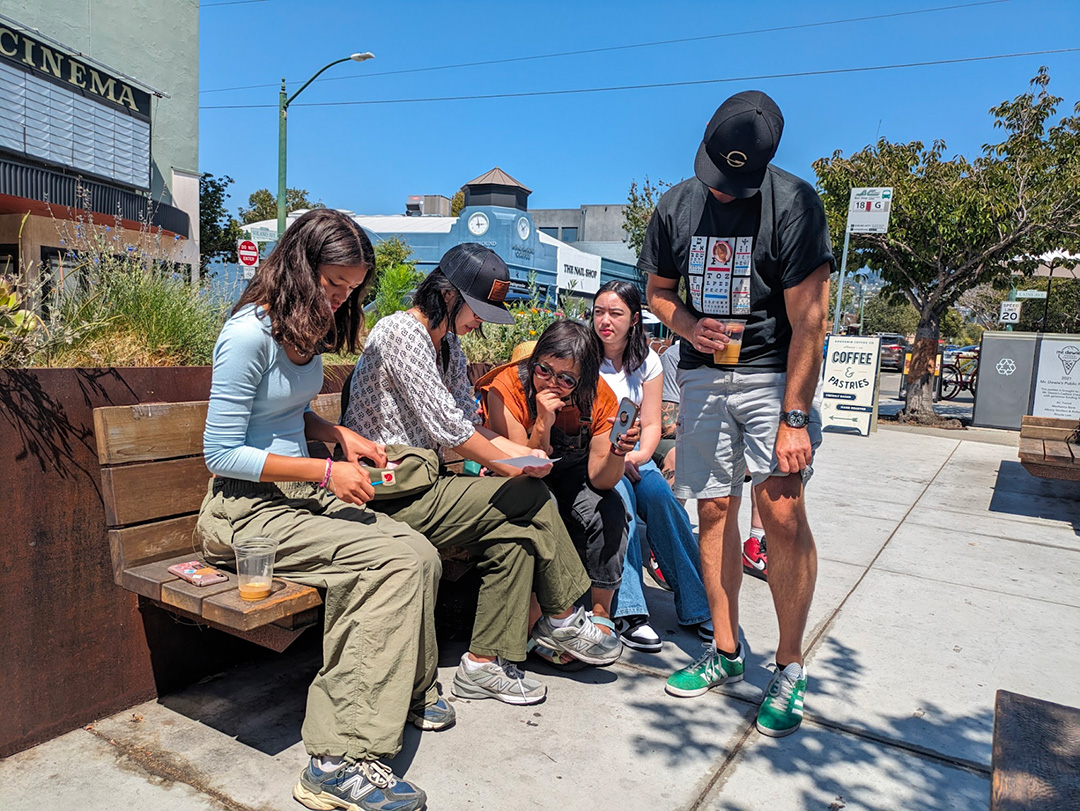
(710,670)
(781,710)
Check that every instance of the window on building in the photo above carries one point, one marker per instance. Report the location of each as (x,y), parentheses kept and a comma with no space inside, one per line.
(569,235)
(551,232)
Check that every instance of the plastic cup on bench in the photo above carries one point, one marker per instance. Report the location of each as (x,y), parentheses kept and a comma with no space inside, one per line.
(255,566)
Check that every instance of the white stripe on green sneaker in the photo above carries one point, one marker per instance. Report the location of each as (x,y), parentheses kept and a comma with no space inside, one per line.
(781,710)
(710,670)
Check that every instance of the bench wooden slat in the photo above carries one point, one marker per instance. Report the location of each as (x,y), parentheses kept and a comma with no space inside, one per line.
(286,598)
(1057,452)
(148,490)
(1036,755)
(155,431)
(1059,472)
(146,579)
(189,597)
(1031,450)
(1048,422)
(1039,432)
(150,542)
(147,432)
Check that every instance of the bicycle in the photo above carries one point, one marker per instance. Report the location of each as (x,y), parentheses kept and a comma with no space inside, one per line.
(961,375)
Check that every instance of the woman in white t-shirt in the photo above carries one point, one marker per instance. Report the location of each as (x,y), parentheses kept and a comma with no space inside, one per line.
(633,370)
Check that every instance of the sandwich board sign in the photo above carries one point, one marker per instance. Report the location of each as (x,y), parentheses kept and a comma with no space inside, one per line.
(850,385)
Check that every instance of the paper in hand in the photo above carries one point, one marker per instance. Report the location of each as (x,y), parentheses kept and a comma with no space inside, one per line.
(526,461)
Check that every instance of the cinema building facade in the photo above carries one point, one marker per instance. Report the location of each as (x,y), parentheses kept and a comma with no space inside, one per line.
(98,129)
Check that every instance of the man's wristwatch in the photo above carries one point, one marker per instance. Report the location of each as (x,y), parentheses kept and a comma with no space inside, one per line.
(795,418)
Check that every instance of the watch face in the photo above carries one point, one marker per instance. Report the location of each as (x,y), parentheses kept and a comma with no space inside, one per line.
(797,419)
(523,227)
(478,223)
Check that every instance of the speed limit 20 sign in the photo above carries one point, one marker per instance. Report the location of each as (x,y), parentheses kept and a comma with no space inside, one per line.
(1010,312)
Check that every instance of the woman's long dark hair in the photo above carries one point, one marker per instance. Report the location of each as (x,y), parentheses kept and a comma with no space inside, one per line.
(575,342)
(430,299)
(288,283)
(637,345)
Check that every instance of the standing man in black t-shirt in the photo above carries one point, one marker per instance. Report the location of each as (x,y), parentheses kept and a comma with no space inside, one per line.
(752,245)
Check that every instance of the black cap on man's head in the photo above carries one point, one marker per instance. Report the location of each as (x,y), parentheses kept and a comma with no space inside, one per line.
(482,278)
(739,142)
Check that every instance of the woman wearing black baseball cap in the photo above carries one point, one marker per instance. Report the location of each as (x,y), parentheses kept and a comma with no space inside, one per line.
(410,387)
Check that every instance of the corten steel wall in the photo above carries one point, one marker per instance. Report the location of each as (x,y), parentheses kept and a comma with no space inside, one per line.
(74,646)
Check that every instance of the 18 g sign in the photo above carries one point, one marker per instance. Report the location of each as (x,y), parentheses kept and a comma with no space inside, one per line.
(1010,312)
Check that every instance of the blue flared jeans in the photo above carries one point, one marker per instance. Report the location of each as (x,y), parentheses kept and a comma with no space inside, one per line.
(669,534)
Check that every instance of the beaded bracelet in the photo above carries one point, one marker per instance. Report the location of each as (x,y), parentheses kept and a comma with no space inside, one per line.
(326,477)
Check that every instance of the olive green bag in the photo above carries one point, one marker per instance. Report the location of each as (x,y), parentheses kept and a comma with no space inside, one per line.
(409,471)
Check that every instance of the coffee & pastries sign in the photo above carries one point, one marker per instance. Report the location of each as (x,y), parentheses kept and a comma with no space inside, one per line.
(849,387)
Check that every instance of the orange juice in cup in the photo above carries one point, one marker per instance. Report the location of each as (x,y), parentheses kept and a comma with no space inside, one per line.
(729,355)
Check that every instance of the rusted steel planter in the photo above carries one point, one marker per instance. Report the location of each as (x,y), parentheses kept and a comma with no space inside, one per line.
(76,646)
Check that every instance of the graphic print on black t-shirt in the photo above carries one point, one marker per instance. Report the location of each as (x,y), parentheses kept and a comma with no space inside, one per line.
(738,258)
(718,274)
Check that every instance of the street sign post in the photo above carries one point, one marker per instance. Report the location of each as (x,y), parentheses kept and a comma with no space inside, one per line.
(868,213)
(1010,312)
(262,234)
(248,254)
(1039,294)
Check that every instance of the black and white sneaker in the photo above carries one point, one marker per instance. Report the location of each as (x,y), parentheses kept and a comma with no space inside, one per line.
(635,632)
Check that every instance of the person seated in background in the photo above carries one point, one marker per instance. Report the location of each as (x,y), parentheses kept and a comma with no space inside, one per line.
(556,402)
(633,371)
(410,387)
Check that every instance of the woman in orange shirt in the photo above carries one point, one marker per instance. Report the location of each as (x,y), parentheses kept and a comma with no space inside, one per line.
(557,402)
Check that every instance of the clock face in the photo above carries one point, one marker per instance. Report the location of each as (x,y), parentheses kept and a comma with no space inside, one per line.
(523,227)
(478,223)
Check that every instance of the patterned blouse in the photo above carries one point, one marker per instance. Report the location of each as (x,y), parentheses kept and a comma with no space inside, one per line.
(401,395)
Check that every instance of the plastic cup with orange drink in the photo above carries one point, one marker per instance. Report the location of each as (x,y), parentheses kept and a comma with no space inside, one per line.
(255,566)
(729,355)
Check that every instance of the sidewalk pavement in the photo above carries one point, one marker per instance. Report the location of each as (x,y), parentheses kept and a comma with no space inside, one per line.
(946,572)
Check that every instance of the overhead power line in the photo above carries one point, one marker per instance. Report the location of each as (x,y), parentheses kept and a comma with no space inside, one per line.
(608,49)
(615,88)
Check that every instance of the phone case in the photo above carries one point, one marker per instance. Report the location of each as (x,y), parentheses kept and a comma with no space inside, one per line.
(626,415)
(198,573)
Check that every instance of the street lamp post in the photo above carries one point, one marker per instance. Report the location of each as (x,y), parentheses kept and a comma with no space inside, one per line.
(283,109)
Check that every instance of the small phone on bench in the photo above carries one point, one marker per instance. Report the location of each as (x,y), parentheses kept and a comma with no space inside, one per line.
(625,417)
(198,573)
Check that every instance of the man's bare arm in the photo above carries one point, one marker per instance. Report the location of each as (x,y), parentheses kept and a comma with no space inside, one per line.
(706,335)
(669,414)
(807,305)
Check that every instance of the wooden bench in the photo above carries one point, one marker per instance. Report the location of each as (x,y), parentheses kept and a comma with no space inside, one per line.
(153,480)
(1048,447)
(1036,759)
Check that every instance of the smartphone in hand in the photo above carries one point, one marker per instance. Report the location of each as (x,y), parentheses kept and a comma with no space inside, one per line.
(628,411)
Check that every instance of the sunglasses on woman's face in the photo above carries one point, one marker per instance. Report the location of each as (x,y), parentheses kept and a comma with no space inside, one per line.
(561,378)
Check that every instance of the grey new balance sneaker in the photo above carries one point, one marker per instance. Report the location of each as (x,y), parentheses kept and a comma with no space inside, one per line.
(500,679)
(363,786)
(581,638)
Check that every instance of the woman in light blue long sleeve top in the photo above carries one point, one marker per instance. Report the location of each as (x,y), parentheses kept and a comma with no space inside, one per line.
(379,576)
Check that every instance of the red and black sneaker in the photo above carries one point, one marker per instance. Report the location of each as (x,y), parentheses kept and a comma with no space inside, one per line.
(653,568)
(754,561)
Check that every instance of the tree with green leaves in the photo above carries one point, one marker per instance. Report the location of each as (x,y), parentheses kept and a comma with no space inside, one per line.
(396,277)
(218,232)
(887,312)
(958,223)
(457,202)
(639,208)
(262,204)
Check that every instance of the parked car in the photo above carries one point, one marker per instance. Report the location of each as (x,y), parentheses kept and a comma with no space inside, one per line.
(955,353)
(893,348)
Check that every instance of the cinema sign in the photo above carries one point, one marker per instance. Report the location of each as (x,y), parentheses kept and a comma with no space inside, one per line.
(26,53)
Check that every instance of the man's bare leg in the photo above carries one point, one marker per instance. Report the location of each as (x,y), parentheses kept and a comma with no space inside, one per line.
(792,560)
(721,566)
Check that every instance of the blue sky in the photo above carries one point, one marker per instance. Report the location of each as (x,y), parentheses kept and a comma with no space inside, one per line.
(586,148)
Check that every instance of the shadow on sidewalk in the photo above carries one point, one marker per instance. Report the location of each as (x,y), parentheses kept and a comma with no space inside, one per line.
(1017,492)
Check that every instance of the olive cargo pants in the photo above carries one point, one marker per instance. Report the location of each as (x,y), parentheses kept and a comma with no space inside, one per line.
(380,577)
(513,527)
